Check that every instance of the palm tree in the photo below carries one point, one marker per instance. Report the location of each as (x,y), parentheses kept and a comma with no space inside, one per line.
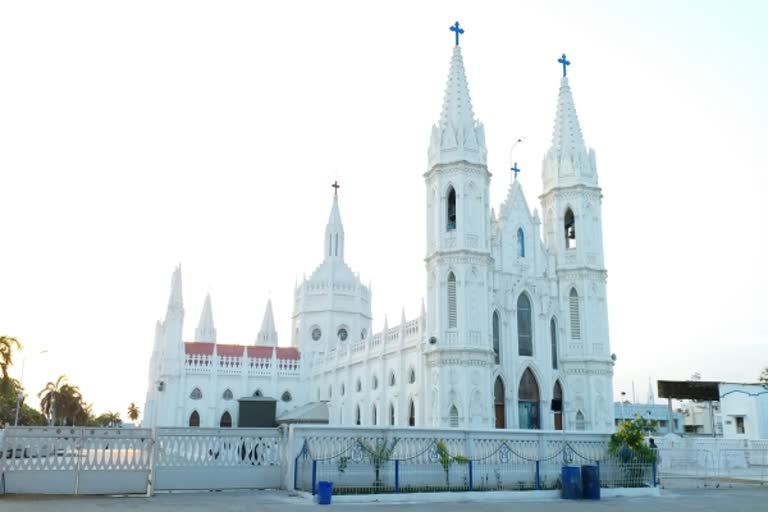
(7,346)
(133,412)
(71,406)
(49,396)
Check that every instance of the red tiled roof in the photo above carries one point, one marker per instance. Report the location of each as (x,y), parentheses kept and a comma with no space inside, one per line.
(204,348)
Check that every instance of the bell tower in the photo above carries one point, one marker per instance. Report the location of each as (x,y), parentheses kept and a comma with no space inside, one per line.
(458,261)
(573,235)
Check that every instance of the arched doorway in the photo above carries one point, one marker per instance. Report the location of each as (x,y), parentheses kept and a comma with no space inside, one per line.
(528,401)
(498,403)
(226,420)
(194,419)
(557,405)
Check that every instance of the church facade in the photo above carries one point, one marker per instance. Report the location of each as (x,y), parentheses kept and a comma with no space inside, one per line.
(513,334)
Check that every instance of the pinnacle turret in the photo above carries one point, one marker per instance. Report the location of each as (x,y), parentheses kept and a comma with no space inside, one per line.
(267,334)
(334,232)
(205,329)
(175,300)
(457,136)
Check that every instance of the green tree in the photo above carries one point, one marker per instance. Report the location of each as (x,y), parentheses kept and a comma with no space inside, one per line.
(133,412)
(27,415)
(629,440)
(49,396)
(446,460)
(63,403)
(379,454)
(764,376)
(109,419)
(7,346)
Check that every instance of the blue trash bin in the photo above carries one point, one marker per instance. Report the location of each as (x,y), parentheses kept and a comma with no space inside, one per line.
(324,492)
(571,479)
(590,482)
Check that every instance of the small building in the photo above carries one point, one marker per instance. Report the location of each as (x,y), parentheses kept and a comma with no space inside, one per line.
(628,411)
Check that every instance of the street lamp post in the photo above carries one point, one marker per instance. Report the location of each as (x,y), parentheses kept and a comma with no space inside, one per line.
(20,394)
(623,416)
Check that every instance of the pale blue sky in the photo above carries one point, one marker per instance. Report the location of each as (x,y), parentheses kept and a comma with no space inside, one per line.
(137,135)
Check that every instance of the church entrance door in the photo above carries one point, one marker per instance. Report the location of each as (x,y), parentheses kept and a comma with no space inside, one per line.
(528,401)
(498,402)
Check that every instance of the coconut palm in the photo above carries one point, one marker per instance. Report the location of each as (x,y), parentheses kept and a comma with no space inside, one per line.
(50,395)
(133,412)
(7,345)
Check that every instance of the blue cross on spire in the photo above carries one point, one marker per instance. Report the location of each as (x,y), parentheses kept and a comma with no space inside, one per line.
(565,62)
(515,170)
(455,28)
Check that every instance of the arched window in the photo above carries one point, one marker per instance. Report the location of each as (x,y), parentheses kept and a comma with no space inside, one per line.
(357,415)
(553,339)
(286,396)
(336,244)
(392,380)
(412,414)
(580,421)
(226,420)
(453,417)
(528,401)
(496,337)
(520,243)
(330,391)
(258,393)
(557,405)
(359,386)
(451,210)
(573,306)
(411,376)
(569,223)
(196,394)
(227,394)
(375,382)
(452,321)
(194,419)
(524,326)
(391,415)
(374,415)
(498,403)
(343,389)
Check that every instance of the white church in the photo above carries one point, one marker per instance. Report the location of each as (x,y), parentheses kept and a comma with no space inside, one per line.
(514,332)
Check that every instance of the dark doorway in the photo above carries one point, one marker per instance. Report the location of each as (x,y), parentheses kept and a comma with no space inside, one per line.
(498,403)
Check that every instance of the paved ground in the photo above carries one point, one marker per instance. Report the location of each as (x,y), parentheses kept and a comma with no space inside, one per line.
(715,500)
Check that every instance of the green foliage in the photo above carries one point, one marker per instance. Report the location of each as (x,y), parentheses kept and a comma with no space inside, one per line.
(8,345)
(378,453)
(341,464)
(629,440)
(446,459)
(764,376)
(133,412)
(27,415)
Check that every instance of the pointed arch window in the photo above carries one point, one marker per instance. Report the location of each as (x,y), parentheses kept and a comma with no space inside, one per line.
(357,415)
(411,376)
(452,317)
(450,224)
(226,420)
(524,326)
(499,403)
(580,423)
(391,415)
(557,405)
(496,337)
(553,339)
(453,417)
(336,244)
(227,394)
(375,415)
(194,419)
(573,306)
(528,401)
(412,414)
(196,394)
(258,393)
(520,243)
(569,225)
(392,379)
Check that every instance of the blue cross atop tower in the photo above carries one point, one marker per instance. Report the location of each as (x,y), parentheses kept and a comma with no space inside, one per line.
(455,28)
(565,62)
(515,170)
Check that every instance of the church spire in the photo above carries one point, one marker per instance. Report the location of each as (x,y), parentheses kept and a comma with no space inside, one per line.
(267,334)
(175,300)
(334,231)
(457,136)
(568,161)
(205,330)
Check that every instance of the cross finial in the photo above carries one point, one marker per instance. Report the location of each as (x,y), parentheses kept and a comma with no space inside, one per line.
(336,188)
(515,170)
(565,62)
(455,28)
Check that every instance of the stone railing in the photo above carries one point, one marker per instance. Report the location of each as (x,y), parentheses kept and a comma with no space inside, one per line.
(237,365)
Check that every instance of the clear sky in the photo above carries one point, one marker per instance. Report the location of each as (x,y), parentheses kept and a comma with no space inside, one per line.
(137,135)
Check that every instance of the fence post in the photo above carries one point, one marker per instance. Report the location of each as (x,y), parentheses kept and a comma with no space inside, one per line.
(471,479)
(538,476)
(314,477)
(296,472)
(397,476)
(653,473)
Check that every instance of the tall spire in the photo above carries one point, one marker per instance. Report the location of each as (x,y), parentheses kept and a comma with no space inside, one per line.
(175,300)
(457,136)
(205,330)
(267,334)
(568,160)
(334,231)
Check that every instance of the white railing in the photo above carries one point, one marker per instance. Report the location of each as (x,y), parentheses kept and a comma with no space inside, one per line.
(236,365)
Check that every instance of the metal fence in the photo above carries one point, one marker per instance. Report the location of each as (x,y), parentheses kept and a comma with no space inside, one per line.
(368,465)
(708,463)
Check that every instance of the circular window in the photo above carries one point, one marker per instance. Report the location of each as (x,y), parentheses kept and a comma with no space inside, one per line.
(342,334)
(363,334)
(286,396)
(375,382)
(316,333)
